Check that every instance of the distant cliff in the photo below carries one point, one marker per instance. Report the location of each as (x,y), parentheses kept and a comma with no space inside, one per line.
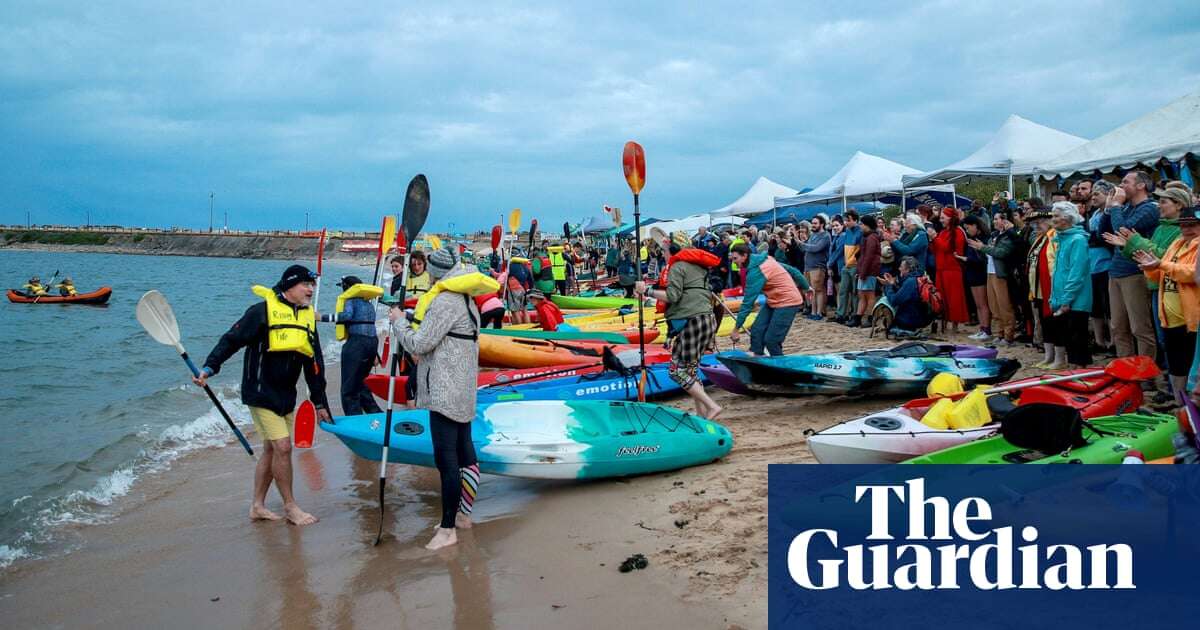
(276,246)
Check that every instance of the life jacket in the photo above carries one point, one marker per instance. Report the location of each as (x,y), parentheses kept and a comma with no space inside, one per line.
(468,285)
(558,265)
(289,329)
(364,291)
(66,289)
(547,272)
(418,285)
(700,257)
(35,289)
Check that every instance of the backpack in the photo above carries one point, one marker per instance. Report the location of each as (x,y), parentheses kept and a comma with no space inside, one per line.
(931,296)
(1045,428)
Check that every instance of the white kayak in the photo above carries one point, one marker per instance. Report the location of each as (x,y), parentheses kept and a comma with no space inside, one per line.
(886,437)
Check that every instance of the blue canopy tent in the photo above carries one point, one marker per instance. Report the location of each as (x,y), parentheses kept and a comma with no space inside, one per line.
(628,231)
(933,198)
(796,214)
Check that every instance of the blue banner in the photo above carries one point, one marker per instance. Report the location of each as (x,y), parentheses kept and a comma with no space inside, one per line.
(1021,546)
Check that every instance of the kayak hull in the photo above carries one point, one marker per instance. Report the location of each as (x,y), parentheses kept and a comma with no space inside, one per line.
(504,352)
(594,302)
(552,439)
(1150,434)
(590,386)
(859,373)
(897,434)
(95,298)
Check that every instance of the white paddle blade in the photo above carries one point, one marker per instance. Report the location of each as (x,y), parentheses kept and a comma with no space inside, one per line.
(155,315)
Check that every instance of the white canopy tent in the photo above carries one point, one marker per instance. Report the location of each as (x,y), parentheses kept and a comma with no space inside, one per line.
(758,199)
(1171,132)
(1015,150)
(690,225)
(863,177)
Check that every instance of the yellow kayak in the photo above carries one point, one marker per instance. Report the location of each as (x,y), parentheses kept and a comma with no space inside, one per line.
(723,330)
(611,316)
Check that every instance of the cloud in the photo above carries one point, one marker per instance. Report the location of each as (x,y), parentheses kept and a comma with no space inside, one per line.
(138,110)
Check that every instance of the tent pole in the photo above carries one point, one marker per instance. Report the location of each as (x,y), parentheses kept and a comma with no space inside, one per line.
(954,196)
(1010,183)
(843,202)
(903,203)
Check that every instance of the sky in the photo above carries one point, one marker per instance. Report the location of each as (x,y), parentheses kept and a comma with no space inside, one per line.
(134,112)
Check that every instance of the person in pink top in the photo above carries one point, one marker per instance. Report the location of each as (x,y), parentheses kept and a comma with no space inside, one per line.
(782,284)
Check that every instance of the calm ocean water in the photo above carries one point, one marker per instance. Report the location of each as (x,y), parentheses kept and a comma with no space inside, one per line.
(89,403)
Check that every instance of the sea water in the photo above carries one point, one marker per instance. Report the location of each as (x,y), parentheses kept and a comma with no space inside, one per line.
(89,403)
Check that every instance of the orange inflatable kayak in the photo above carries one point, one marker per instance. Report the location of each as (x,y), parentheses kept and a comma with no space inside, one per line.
(513,352)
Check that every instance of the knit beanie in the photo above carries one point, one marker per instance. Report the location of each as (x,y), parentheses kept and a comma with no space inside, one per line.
(441,262)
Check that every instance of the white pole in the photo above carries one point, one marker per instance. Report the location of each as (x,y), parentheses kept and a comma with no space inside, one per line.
(954,196)
(1010,183)
(903,203)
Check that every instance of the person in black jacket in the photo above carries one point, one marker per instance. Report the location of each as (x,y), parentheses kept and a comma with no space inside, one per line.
(279,334)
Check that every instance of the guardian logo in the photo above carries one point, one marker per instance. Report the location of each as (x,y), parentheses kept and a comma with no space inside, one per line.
(973,555)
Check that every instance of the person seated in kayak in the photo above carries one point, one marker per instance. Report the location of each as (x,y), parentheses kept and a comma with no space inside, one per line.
(279,333)
(782,284)
(444,339)
(34,287)
(66,287)
(549,315)
(355,319)
(691,322)
(903,294)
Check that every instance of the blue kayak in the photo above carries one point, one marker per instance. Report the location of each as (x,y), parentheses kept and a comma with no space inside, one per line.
(901,371)
(600,386)
(552,439)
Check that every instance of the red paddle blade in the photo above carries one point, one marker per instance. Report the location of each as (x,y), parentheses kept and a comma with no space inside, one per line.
(496,231)
(1136,368)
(633,160)
(306,424)
(387,343)
(320,251)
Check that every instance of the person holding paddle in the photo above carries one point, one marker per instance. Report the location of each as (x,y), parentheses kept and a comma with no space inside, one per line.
(279,334)
(444,340)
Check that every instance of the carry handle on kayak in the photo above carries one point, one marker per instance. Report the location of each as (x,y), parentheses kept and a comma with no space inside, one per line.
(155,315)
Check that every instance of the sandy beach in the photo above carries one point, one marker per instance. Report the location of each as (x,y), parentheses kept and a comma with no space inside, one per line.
(181,553)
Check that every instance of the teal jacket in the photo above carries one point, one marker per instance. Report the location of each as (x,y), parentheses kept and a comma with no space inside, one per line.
(1071,285)
(755,280)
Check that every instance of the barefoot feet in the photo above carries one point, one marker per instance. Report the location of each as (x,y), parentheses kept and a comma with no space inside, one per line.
(462,521)
(261,513)
(296,516)
(444,537)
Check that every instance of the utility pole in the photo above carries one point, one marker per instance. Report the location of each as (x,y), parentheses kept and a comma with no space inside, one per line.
(28,221)
(211,198)
(89,219)
(305,220)
(226,221)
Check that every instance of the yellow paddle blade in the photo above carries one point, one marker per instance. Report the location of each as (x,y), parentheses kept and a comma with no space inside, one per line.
(435,242)
(387,234)
(514,220)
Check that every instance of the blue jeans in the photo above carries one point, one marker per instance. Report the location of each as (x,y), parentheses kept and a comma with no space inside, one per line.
(847,305)
(770,328)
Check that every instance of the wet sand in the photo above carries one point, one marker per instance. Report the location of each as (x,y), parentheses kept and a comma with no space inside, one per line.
(182,553)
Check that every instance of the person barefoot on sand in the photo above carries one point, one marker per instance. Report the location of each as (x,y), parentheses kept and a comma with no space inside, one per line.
(279,334)
(444,340)
(691,323)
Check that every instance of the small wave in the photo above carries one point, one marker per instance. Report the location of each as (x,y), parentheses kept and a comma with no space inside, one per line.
(8,555)
(95,504)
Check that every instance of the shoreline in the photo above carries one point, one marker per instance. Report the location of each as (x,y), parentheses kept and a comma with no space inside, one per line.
(542,553)
(330,256)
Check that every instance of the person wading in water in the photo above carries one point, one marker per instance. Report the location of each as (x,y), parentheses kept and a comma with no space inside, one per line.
(279,334)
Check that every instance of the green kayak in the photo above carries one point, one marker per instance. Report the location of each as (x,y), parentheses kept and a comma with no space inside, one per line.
(590,303)
(1150,434)
(558,335)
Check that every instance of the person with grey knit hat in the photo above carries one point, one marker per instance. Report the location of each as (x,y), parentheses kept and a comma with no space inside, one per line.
(445,346)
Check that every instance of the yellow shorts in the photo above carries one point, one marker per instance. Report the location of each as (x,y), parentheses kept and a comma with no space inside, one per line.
(270,425)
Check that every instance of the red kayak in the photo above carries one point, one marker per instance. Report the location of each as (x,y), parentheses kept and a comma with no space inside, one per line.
(1093,396)
(99,296)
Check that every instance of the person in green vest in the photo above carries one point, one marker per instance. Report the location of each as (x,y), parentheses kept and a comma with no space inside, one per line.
(558,268)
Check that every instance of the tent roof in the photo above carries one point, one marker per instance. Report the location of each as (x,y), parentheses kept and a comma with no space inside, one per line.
(759,198)
(1170,132)
(692,223)
(862,177)
(1016,148)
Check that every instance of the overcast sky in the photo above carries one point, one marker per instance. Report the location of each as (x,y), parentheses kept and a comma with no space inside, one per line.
(136,111)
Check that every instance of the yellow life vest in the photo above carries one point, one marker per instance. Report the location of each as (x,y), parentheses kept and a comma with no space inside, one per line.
(732,265)
(417,285)
(558,265)
(289,329)
(468,284)
(519,259)
(365,291)
(35,289)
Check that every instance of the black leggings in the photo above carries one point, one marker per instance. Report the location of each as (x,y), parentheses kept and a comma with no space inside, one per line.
(358,357)
(1180,346)
(494,316)
(452,451)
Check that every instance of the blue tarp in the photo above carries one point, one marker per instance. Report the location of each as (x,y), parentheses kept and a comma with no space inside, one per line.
(795,214)
(934,198)
(628,231)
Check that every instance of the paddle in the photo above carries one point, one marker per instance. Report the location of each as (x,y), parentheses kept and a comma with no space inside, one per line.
(514,224)
(320,259)
(156,316)
(416,209)
(387,236)
(1135,368)
(435,243)
(496,232)
(46,286)
(306,424)
(532,231)
(633,161)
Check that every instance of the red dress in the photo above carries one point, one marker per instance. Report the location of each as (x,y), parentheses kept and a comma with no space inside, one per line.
(949,278)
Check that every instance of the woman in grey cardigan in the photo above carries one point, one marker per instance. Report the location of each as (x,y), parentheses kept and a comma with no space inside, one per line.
(816,259)
(446,349)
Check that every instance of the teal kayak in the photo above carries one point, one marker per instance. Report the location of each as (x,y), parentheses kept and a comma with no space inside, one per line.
(591,303)
(558,335)
(552,439)
(1148,433)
